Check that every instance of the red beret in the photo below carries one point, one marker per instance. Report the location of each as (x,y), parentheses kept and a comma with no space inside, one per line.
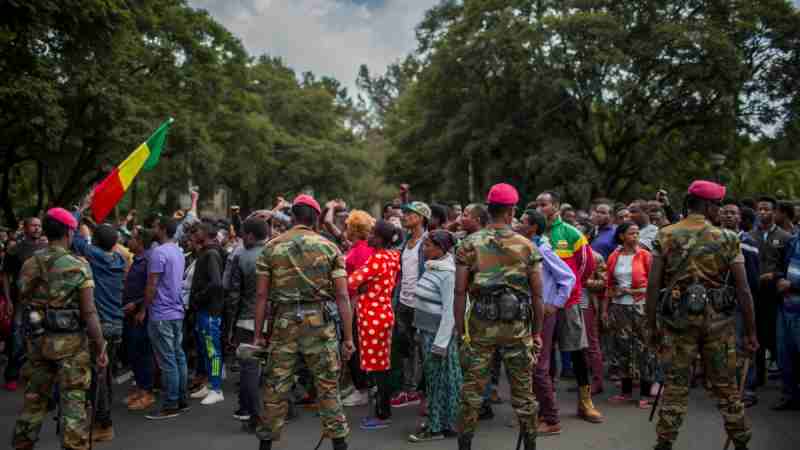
(63,216)
(304,199)
(503,194)
(707,190)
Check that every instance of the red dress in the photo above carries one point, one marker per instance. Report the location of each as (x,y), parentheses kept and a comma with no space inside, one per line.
(374,307)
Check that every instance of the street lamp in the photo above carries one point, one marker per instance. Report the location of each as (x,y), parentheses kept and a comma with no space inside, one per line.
(717,162)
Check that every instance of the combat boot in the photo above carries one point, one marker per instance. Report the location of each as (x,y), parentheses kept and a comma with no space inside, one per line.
(465,441)
(529,440)
(662,445)
(265,445)
(586,409)
(339,444)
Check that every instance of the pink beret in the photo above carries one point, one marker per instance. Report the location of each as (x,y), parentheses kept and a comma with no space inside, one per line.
(503,194)
(304,199)
(707,190)
(63,216)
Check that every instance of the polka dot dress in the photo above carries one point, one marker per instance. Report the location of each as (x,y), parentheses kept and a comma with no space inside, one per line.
(374,308)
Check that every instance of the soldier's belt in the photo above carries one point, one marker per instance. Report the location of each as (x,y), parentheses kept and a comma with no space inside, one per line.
(501,305)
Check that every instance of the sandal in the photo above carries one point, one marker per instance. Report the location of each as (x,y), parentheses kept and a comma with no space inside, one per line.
(619,399)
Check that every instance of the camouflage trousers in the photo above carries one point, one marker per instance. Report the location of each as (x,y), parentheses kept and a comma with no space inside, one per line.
(74,376)
(319,349)
(715,336)
(629,335)
(519,355)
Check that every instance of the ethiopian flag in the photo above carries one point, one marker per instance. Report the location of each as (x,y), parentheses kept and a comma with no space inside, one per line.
(111,190)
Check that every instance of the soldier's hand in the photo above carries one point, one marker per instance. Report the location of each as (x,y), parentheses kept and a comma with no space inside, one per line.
(102,360)
(537,340)
(259,341)
(751,343)
(348,348)
(140,316)
(549,310)
(129,308)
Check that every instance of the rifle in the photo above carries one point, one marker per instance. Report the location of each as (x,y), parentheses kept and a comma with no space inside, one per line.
(655,402)
(742,383)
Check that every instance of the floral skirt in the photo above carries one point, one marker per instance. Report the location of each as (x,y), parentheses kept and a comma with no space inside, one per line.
(443,380)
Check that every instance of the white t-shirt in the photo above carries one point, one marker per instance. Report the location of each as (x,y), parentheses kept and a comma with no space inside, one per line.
(410,275)
(623,275)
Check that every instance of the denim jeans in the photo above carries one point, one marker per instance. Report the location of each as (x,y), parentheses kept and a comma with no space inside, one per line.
(210,347)
(140,354)
(166,337)
(788,341)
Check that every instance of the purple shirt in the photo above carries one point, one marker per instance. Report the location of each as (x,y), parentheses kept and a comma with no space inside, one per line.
(557,278)
(168,261)
(603,242)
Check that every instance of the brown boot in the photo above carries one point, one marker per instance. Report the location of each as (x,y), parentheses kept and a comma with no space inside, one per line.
(145,401)
(133,396)
(102,434)
(586,409)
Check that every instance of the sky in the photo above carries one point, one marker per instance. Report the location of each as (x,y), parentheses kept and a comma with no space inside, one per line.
(327,37)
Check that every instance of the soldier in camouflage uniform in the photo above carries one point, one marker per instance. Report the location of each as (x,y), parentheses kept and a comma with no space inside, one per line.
(57,281)
(300,273)
(692,261)
(497,257)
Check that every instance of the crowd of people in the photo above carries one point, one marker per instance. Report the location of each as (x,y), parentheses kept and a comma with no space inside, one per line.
(330,308)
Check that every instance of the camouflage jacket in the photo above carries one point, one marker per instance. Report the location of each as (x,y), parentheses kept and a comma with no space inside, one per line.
(60,286)
(301,266)
(498,257)
(694,250)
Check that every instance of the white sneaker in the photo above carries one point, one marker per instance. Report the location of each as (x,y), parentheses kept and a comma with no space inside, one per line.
(200,393)
(213,397)
(356,399)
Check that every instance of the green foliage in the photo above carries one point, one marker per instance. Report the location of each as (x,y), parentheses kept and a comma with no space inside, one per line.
(595,98)
(83,82)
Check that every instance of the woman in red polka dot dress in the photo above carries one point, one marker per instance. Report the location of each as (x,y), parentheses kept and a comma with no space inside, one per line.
(374,283)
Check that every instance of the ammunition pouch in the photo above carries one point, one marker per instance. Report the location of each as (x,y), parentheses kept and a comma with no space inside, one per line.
(676,307)
(63,321)
(501,304)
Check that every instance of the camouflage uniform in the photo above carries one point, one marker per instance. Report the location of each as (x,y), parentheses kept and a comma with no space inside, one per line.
(712,333)
(497,257)
(301,265)
(55,358)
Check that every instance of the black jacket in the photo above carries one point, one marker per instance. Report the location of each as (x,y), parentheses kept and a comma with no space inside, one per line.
(207,293)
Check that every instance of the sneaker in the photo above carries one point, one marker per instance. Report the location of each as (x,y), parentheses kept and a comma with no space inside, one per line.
(11,386)
(213,398)
(413,398)
(200,393)
(399,401)
(356,399)
(425,436)
(164,413)
(241,415)
(373,423)
(485,412)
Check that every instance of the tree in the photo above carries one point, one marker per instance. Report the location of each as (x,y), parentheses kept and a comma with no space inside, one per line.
(597,98)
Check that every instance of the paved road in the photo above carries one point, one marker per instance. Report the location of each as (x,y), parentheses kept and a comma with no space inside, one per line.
(626,428)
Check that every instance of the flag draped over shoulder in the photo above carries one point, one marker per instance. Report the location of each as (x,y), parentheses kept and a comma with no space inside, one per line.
(111,190)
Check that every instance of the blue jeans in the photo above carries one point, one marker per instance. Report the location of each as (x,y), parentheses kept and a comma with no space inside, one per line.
(788,340)
(140,354)
(166,337)
(209,347)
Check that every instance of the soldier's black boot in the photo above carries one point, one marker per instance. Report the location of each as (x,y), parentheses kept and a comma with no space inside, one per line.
(339,444)
(265,445)
(663,446)
(529,441)
(465,441)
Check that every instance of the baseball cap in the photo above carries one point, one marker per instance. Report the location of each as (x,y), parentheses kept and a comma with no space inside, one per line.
(420,208)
